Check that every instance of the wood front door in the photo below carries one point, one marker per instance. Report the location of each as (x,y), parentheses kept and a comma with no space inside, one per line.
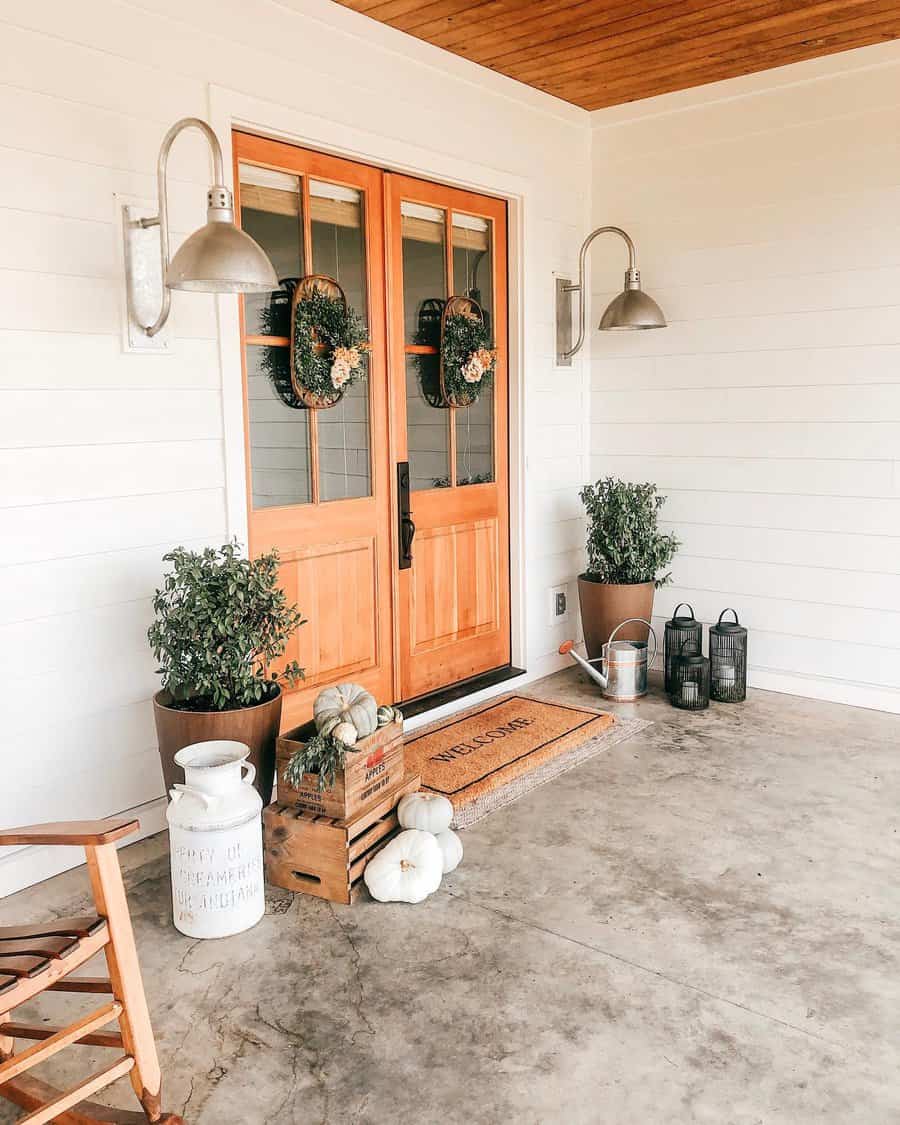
(453,601)
(322,485)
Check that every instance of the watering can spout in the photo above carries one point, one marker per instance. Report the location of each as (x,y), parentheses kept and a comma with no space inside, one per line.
(596,675)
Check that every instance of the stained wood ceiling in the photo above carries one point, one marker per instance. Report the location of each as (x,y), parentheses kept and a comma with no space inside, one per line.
(598,54)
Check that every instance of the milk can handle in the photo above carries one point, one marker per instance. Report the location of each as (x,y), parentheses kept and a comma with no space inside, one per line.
(643,621)
(724,611)
(690,607)
(178,790)
(250,774)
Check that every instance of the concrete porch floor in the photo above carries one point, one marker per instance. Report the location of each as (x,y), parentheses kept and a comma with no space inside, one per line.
(699,925)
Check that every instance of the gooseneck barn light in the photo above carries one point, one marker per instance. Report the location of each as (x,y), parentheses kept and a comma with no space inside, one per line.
(217,258)
(631,309)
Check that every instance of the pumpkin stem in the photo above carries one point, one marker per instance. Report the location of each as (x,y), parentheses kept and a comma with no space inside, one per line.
(405,865)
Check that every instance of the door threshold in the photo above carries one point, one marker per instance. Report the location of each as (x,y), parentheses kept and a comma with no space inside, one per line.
(460,690)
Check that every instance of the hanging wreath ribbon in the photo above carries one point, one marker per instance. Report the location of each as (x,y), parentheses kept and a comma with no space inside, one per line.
(467,361)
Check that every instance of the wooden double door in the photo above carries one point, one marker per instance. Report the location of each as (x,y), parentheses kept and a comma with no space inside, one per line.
(390,510)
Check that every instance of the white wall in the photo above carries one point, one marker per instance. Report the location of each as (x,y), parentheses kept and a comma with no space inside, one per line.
(767,216)
(108,459)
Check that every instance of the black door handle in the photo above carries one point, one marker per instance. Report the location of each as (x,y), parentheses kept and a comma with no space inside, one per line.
(406,527)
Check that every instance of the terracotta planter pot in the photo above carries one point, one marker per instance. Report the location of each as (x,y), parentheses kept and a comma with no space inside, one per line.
(604,605)
(257,727)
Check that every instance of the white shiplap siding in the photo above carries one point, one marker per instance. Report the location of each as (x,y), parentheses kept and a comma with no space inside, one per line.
(767,216)
(109,459)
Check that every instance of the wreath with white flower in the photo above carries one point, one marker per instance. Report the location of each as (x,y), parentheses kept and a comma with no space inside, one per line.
(328,343)
(467,359)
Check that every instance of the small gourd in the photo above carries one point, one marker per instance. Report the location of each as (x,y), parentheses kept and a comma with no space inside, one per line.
(429,812)
(389,715)
(346,733)
(451,849)
(408,869)
(348,703)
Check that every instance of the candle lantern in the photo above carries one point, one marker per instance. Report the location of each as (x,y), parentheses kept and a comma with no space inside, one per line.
(689,687)
(728,660)
(679,630)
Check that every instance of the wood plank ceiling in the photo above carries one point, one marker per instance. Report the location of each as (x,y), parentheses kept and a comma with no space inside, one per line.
(605,52)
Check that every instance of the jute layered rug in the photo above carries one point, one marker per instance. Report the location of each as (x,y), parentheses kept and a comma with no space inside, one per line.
(495,752)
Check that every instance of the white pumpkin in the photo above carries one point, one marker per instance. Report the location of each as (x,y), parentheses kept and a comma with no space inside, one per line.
(408,869)
(451,849)
(348,703)
(429,812)
(345,732)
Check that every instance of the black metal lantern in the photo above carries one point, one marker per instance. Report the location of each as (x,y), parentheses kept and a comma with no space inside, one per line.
(689,689)
(679,630)
(728,660)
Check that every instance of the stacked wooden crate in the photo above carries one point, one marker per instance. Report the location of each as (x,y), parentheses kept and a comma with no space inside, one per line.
(320,841)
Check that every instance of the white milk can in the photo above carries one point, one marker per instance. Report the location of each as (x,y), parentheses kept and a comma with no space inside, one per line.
(215,842)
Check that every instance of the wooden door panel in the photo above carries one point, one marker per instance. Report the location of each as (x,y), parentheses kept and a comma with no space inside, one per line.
(454,585)
(319,481)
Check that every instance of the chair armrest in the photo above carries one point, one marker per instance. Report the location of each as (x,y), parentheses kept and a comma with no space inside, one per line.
(89,833)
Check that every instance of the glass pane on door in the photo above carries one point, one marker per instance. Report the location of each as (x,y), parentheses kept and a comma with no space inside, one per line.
(424,240)
(271,213)
(473,277)
(339,251)
(279,434)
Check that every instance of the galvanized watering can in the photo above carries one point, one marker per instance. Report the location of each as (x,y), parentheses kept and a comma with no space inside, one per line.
(625,662)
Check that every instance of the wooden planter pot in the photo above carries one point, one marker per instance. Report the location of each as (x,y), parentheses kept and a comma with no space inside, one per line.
(257,727)
(604,605)
(373,767)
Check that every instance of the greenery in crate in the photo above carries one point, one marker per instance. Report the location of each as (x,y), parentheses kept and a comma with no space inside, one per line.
(624,543)
(323,754)
(221,622)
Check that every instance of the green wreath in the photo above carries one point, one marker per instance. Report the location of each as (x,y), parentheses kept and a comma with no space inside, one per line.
(328,346)
(467,358)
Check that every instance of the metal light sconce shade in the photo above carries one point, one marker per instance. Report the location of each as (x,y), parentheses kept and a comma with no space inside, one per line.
(217,258)
(631,310)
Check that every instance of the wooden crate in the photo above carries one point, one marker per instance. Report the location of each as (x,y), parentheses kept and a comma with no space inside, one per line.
(324,856)
(372,768)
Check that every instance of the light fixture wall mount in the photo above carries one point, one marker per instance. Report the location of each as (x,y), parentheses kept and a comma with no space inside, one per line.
(217,258)
(632,309)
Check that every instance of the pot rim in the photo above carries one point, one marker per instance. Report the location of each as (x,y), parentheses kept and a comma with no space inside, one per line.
(585,577)
(158,702)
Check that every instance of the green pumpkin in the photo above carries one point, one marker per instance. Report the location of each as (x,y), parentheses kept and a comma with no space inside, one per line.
(347,703)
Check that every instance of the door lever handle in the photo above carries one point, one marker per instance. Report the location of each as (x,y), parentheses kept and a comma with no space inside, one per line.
(407,534)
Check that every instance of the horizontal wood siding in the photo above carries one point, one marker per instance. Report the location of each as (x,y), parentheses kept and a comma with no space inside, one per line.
(766,217)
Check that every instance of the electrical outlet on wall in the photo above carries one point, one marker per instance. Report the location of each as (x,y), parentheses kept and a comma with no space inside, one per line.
(559,604)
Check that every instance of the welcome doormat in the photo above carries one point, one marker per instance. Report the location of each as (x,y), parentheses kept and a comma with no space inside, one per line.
(495,752)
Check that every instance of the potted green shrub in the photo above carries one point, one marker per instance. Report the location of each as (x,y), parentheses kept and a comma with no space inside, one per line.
(222,623)
(626,557)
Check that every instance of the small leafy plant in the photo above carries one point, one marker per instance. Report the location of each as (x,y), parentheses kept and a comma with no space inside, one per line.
(221,622)
(323,754)
(624,543)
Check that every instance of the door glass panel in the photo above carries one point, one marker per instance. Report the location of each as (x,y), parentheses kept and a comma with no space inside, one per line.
(424,270)
(473,277)
(279,434)
(475,440)
(473,262)
(339,251)
(426,427)
(271,213)
(423,231)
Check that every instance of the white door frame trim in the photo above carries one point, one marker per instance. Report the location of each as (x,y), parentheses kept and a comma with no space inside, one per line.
(230,109)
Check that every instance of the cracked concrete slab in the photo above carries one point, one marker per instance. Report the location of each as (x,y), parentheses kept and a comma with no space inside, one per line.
(699,925)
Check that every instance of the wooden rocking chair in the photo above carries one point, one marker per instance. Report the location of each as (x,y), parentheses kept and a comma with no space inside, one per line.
(40,956)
